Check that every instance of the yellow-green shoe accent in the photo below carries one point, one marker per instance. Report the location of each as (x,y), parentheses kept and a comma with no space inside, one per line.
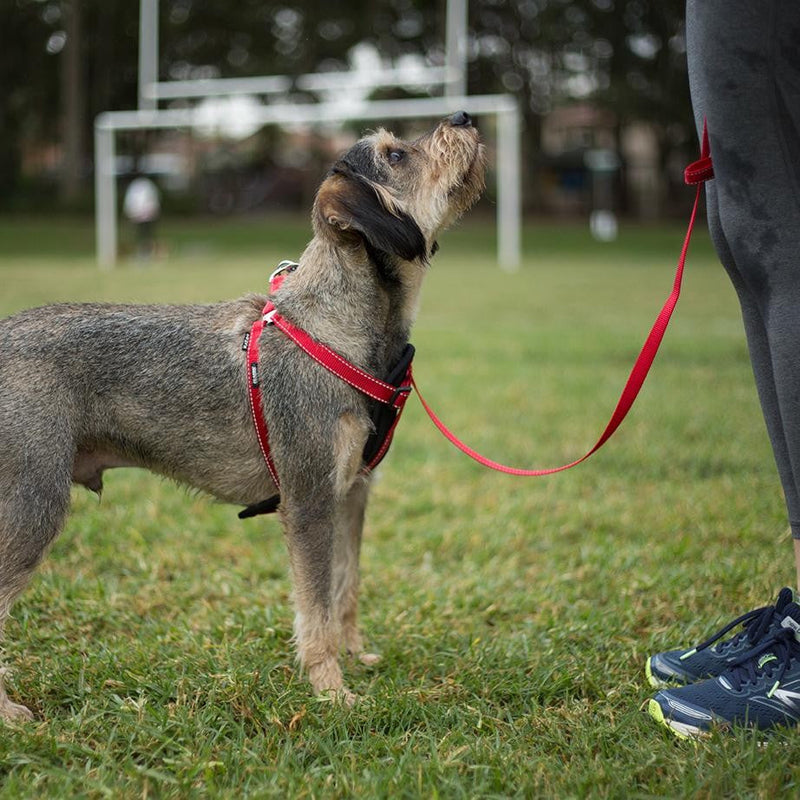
(656,712)
(657,682)
(651,679)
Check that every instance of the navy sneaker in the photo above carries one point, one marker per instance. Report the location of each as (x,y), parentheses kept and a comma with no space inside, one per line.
(713,657)
(760,690)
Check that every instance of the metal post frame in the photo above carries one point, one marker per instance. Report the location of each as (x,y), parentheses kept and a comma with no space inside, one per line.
(283,84)
(453,77)
(503,107)
(509,188)
(148,52)
(105,193)
(456,48)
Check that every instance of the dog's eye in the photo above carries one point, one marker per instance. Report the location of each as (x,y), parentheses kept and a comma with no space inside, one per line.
(396,156)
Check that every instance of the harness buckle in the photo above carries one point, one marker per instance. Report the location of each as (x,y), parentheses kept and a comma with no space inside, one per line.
(269,317)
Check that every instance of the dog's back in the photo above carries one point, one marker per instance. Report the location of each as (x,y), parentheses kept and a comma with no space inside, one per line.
(154,386)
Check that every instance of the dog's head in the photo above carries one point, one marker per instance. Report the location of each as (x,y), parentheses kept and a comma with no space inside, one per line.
(393,197)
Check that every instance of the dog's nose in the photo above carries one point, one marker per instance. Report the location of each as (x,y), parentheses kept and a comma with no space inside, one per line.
(461,120)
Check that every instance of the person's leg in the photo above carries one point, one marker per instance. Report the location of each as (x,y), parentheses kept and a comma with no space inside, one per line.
(744,69)
(797,558)
(146,238)
(759,348)
(744,66)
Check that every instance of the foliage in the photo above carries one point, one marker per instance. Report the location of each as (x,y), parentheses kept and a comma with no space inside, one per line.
(625,54)
(514,616)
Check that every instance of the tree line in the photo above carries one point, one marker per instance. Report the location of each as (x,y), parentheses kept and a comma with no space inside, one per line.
(62,62)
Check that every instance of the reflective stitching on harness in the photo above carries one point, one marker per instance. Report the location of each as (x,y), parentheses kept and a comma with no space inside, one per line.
(376,385)
(254,396)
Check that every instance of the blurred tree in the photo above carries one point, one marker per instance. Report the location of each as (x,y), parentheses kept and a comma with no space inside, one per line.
(58,70)
(73,101)
(212,39)
(28,86)
(626,55)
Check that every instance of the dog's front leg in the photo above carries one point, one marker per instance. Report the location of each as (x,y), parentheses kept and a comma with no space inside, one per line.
(323,513)
(346,576)
(310,533)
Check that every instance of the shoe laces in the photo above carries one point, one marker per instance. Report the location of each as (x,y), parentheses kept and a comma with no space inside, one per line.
(751,665)
(756,623)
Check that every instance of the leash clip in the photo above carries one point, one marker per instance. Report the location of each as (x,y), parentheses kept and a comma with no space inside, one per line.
(401,392)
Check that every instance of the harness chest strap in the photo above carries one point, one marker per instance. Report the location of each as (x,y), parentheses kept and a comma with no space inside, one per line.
(384,393)
(365,383)
(250,344)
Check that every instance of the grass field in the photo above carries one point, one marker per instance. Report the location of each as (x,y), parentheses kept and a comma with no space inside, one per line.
(514,615)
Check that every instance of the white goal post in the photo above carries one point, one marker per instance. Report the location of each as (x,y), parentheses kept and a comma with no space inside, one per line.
(503,107)
(452,78)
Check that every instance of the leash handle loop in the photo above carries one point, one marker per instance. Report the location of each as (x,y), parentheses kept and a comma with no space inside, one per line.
(696,173)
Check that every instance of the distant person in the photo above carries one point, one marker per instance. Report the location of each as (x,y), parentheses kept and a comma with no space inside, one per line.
(142,206)
(744,75)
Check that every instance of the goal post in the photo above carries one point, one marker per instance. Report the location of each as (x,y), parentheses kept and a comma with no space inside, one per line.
(503,107)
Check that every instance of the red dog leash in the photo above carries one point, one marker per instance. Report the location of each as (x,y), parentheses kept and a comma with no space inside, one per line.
(395,396)
(696,173)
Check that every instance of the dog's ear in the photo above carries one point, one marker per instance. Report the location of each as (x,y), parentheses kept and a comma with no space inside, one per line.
(349,205)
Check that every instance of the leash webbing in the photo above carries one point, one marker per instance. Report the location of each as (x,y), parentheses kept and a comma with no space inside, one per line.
(696,173)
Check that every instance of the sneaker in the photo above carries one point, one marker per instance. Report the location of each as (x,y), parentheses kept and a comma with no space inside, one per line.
(713,657)
(760,690)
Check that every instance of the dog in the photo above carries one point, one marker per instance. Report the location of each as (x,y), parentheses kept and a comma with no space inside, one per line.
(89,387)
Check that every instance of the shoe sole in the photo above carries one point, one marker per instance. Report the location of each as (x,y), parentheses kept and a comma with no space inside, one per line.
(679,729)
(688,733)
(655,682)
(659,683)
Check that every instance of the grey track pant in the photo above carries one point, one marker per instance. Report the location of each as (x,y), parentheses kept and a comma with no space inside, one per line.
(744,74)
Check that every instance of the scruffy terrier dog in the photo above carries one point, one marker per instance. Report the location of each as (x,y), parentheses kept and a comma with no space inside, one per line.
(84,388)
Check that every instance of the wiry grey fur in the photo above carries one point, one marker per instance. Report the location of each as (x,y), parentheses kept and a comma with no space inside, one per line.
(84,388)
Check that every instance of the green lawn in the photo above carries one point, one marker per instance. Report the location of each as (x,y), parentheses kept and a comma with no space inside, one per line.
(154,645)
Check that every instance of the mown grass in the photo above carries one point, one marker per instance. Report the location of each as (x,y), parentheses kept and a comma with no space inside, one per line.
(514,615)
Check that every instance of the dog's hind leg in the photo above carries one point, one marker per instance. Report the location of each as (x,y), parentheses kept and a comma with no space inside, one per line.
(350,525)
(31,515)
(9,711)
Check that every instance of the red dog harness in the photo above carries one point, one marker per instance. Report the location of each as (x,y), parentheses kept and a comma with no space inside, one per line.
(391,396)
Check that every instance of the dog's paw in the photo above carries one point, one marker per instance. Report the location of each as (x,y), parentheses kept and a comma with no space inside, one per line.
(341,696)
(355,649)
(14,712)
(347,698)
(11,712)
